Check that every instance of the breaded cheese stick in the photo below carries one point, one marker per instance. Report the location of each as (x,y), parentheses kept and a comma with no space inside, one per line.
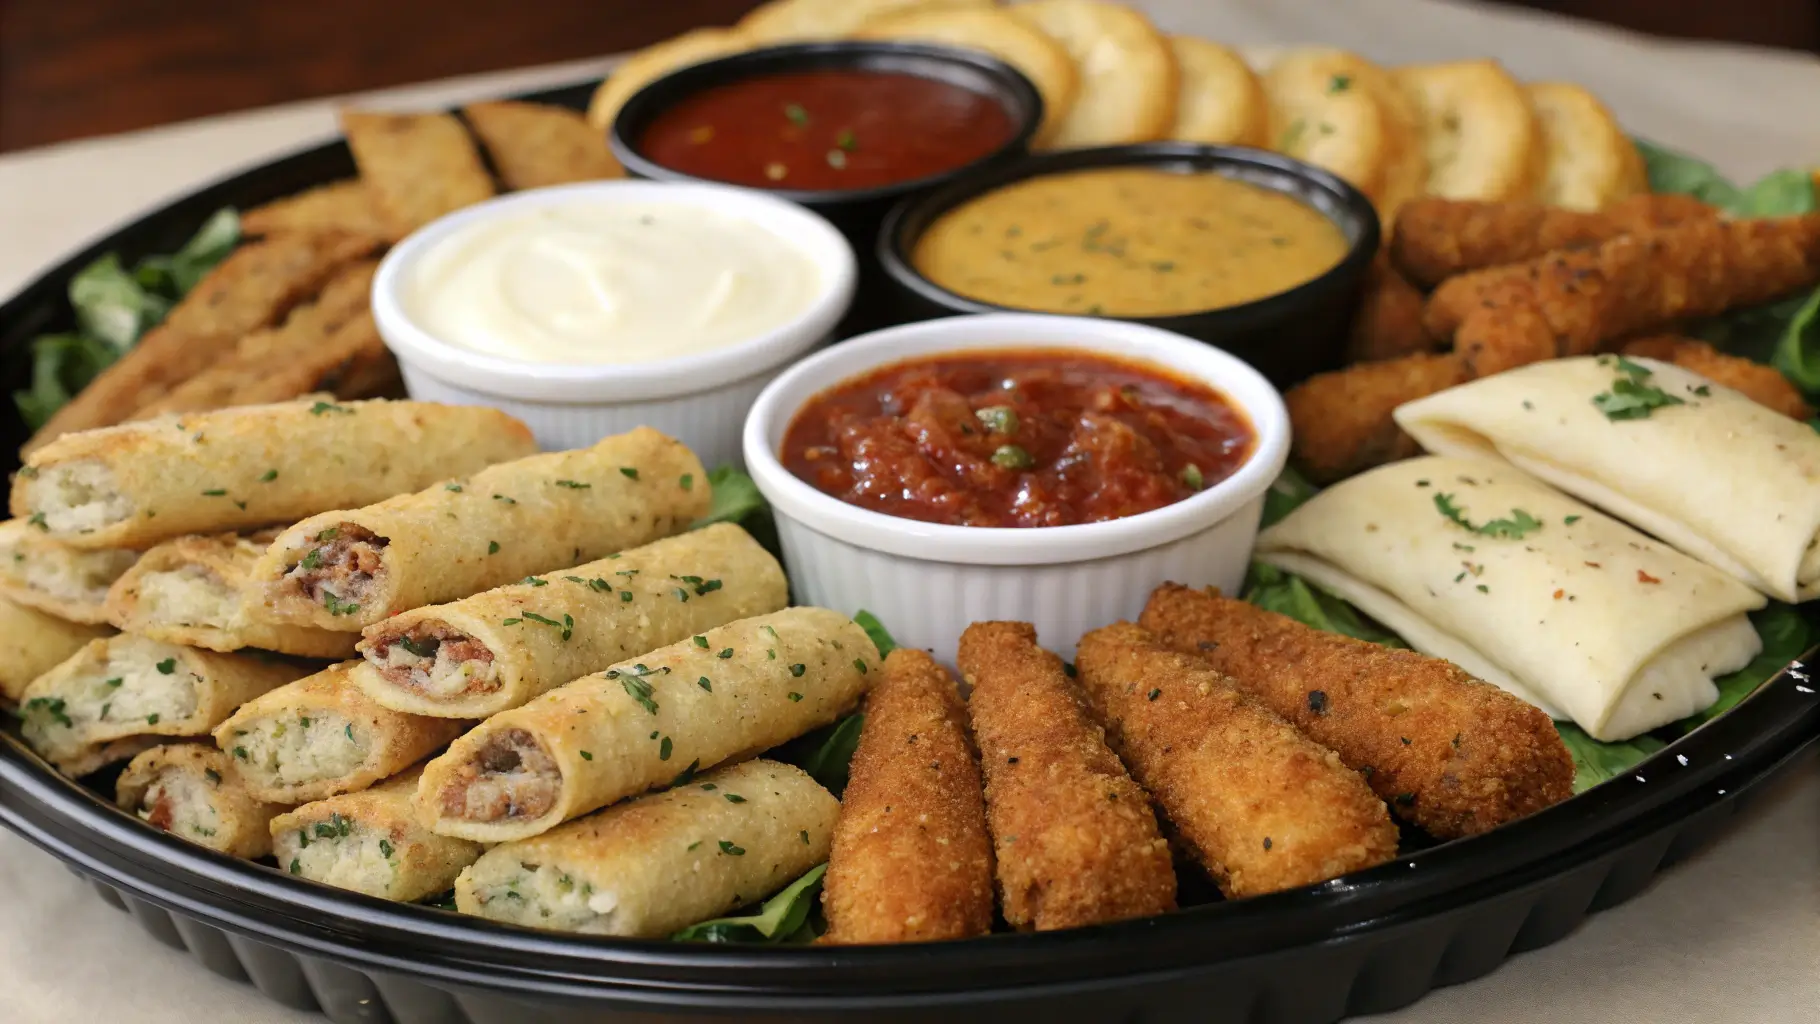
(911,860)
(192,791)
(370,842)
(134,485)
(1388,324)
(1448,752)
(1075,840)
(32,643)
(1261,806)
(126,686)
(55,578)
(192,591)
(651,866)
(483,654)
(320,736)
(1341,421)
(718,696)
(350,569)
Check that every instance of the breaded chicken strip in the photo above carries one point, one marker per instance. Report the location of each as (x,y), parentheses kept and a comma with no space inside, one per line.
(1437,238)
(911,861)
(1075,839)
(1760,382)
(1261,806)
(1388,324)
(1341,420)
(340,206)
(1450,753)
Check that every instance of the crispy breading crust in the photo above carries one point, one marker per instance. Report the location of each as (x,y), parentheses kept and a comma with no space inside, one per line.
(340,206)
(539,144)
(1452,754)
(1341,421)
(1075,840)
(416,167)
(1388,324)
(1261,806)
(911,859)
(1760,382)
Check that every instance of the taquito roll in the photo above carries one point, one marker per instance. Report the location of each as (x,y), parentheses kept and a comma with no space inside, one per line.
(350,569)
(1706,469)
(1522,586)
(97,756)
(192,591)
(717,696)
(192,791)
(321,736)
(125,686)
(370,842)
(496,650)
(70,583)
(649,867)
(32,643)
(134,485)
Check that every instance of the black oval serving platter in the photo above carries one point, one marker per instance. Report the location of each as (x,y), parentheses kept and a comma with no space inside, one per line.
(1365,943)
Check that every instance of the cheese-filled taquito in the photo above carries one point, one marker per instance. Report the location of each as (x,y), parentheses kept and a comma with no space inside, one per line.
(347,570)
(321,736)
(32,643)
(651,866)
(1522,586)
(496,650)
(70,583)
(1706,469)
(718,696)
(192,791)
(134,485)
(370,842)
(192,590)
(126,686)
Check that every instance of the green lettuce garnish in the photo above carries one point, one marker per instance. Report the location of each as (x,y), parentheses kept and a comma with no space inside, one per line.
(881,637)
(784,918)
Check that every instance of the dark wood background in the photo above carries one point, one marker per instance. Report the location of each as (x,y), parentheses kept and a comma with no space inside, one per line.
(73,68)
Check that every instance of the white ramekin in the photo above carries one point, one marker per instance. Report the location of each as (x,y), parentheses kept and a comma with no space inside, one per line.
(699,399)
(928,582)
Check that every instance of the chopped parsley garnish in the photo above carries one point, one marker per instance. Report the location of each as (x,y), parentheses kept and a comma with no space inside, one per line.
(312,560)
(52,706)
(326,407)
(240,752)
(1192,478)
(1154,694)
(167,666)
(705,684)
(214,492)
(573,485)
(452,487)
(796,113)
(686,481)
(682,595)
(1011,456)
(845,140)
(336,606)
(725,652)
(212,775)
(385,848)
(805,834)
(731,850)
(268,476)
(625,596)
(596,584)
(701,642)
(423,648)
(798,669)
(1339,83)
(1631,396)
(685,776)
(1515,527)
(585,756)
(734,798)
(492,547)
(795,698)
(860,663)
(501,497)
(1702,390)
(296,867)
(629,472)
(567,625)
(115,683)
(640,691)
(534,581)
(151,719)
(663,749)
(37,519)
(1570,520)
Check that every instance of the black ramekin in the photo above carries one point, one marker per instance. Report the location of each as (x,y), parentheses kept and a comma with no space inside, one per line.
(1288,336)
(856,212)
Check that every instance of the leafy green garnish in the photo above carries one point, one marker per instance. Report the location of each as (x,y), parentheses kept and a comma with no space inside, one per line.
(881,637)
(1514,527)
(1632,397)
(1272,589)
(778,919)
(735,497)
(825,753)
(1670,171)
(1797,352)
(1596,761)
(1286,494)
(1786,636)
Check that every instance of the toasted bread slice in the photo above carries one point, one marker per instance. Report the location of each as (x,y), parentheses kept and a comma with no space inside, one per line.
(1589,162)
(657,60)
(789,21)
(1219,100)
(1338,110)
(1127,72)
(1478,130)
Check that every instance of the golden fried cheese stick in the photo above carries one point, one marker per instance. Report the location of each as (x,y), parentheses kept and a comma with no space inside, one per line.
(1341,420)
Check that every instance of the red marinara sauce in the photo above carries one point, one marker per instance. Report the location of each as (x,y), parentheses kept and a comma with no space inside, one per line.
(1018,438)
(826,130)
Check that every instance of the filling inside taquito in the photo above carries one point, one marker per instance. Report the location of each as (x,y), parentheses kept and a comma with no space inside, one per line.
(294,748)
(435,659)
(513,777)
(342,571)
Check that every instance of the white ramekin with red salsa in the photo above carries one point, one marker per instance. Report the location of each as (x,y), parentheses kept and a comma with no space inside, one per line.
(1039,468)
(586,310)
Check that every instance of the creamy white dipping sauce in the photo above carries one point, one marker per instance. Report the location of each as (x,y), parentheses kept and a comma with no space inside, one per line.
(602,282)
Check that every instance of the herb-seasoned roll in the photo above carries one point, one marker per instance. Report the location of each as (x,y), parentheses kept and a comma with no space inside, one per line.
(67,582)
(127,686)
(134,485)
(192,791)
(370,842)
(32,643)
(321,736)
(717,696)
(496,650)
(651,866)
(348,570)
(192,591)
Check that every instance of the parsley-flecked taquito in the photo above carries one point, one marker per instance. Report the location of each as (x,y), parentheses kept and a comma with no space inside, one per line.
(350,569)
(70,583)
(32,643)
(192,791)
(371,842)
(498,649)
(718,696)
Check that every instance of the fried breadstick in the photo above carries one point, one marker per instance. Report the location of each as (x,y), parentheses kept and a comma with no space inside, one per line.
(1388,324)
(1760,382)
(1341,420)
(338,206)
(537,144)
(1261,806)
(1075,839)
(1437,238)
(911,860)
(416,167)
(1450,753)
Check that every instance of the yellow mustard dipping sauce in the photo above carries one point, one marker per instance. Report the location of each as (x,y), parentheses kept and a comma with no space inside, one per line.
(1128,242)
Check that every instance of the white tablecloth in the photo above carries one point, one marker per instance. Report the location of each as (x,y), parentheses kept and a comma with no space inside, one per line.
(1731,935)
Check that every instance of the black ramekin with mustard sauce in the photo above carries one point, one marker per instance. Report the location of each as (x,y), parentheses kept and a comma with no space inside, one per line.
(1257,253)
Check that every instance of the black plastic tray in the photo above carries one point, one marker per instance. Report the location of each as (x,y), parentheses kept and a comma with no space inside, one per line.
(1365,943)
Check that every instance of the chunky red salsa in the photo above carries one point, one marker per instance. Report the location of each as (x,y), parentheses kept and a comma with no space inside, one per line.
(1043,437)
(826,130)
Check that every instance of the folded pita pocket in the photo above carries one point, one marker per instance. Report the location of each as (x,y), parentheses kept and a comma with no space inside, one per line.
(1524,587)
(1706,469)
